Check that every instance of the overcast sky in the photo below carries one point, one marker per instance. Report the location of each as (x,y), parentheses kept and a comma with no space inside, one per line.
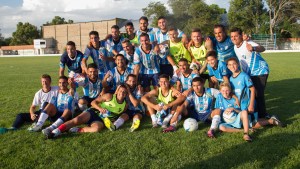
(38,12)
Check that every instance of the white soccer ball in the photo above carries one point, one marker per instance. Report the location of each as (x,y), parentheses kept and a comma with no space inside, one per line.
(230,117)
(190,125)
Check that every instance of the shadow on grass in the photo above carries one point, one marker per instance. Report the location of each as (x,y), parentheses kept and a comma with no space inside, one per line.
(283,99)
(267,152)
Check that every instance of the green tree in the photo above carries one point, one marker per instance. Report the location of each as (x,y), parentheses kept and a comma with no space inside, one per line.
(25,34)
(248,15)
(57,20)
(155,10)
(279,9)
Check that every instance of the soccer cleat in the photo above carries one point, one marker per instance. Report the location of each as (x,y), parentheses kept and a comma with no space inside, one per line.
(35,127)
(169,129)
(211,134)
(3,130)
(276,121)
(109,124)
(135,125)
(46,131)
(74,129)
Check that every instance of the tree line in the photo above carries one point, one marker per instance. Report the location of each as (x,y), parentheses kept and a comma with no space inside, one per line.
(253,16)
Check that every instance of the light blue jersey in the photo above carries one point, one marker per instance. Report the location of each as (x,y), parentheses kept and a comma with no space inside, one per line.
(223,104)
(115,78)
(150,32)
(90,89)
(185,81)
(203,105)
(149,62)
(138,96)
(240,86)
(251,63)
(111,45)
(218,73)
(63,101)
(129,58)
(103,66)
(224,49)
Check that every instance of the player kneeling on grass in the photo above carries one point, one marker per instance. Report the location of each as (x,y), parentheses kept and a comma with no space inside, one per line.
(233,118)
(198,105)
(166,103)
(59,109)
(103,107)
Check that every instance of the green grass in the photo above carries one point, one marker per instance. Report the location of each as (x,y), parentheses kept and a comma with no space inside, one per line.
(272,147)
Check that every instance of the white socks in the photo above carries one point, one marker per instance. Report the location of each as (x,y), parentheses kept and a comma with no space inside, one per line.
(43,117)
(215,122)
(119,122)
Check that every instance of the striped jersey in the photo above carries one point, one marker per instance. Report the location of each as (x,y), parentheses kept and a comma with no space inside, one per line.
(219,72)
(186,81)
(149,62)
(251,63)
(90,89)
(129,58)
(116,78)
(63,101)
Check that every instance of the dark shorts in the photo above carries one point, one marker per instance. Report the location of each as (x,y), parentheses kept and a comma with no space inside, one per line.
(88,99)
(149,79)
(56,116)
(199,117)
(204,76)
(166,69)
(132,113)
(94,116)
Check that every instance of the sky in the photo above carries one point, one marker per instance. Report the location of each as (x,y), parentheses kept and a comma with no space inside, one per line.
(38,12)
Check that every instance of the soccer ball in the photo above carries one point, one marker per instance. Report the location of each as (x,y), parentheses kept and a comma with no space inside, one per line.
(229,118)
(190,125)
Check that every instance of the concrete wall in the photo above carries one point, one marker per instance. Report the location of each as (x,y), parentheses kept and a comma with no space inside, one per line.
(288,44)
(78,32)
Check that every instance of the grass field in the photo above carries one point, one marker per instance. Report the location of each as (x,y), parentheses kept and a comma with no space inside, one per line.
(273,147)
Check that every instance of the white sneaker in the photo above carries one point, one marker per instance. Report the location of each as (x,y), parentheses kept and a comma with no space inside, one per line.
(56,133)
(35,127)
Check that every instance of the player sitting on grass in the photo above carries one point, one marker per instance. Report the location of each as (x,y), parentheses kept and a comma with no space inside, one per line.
(243,88)
(103,109)
(166,103)
(41,99)
(217,69)
(237,119)
(136,109)
(183,76)
(58,110)
(198,105)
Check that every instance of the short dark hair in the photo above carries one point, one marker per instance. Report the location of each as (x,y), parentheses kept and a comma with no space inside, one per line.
(94,33)
(129,24)
(196,30)
(130,75)
(211,53)
(183,60)
(119,54)
(46,76)
(220,26)
(163,76)
(71,43)
(161,17)
(144,35)
(143,18)
(232,58)
(198,79)
(236,29)
(92,65)
(115,27)
(63,77)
